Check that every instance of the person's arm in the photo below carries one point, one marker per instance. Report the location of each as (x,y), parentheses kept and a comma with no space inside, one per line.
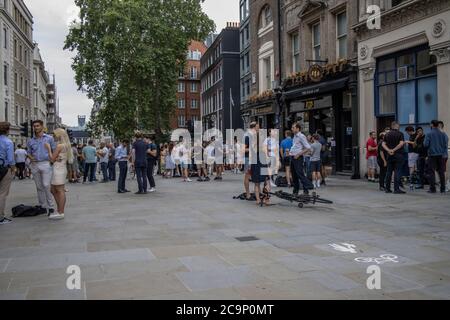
(306,147)
(153,152)
(399,146)
(53,155)
(11,159)
(385,147)
(383,158)
(426,143)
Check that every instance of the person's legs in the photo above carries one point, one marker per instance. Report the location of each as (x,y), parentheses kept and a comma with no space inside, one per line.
(288,174)
(37,177)
(398,176)
(92,174)
(104,166)
(257,193)
(389,173)
(150,168)
(21,167)
(5,185)
(420,172)
(47,173)
(441,172)
(295,175)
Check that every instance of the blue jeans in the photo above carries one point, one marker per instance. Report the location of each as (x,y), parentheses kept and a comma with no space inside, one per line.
(298,173)
(104,167)
(141,176)
(112,170)
(89,171)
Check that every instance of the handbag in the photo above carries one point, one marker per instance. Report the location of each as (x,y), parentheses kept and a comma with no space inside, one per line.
(3,170)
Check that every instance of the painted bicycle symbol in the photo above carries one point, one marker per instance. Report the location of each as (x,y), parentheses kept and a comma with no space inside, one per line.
(381,260)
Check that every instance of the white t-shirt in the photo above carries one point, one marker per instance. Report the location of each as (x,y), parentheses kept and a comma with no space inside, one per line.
(271,146)
(105,157)
(176,153)
(21,155)
(183,153)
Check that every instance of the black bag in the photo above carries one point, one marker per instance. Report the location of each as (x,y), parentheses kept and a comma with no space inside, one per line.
(22,211)
(3,170)
(281,182)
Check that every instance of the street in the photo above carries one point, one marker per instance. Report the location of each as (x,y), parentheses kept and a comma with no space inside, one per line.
(181,243)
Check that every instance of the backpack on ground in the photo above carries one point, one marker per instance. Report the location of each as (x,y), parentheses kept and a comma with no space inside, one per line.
(22,211)
(281,182)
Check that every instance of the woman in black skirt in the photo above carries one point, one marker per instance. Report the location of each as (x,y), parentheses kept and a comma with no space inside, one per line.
(259,173)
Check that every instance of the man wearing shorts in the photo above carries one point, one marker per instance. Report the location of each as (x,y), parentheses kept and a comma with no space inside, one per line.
(371,156)
(315,163)
(285,147)
(413,155)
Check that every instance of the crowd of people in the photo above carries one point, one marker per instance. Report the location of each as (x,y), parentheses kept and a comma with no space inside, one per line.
(418,159)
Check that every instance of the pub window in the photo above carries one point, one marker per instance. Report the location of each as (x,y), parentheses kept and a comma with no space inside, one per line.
(295,41)
(341,28)
(316,41)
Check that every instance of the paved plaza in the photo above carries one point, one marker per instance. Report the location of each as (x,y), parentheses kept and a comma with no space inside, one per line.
(181,243)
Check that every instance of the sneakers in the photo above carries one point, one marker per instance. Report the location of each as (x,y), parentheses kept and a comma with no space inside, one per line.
(56,216)
(151,190)
(188,180)
(273,184)
(5,221)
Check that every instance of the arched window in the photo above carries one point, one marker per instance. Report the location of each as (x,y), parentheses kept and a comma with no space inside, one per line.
(266,17)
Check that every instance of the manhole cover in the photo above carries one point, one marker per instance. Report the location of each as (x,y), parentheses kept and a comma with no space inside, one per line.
(244,239)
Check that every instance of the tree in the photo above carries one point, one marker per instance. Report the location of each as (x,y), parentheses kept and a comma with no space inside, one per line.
(128,57)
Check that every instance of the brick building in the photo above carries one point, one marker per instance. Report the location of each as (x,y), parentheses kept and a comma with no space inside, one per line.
(188,92)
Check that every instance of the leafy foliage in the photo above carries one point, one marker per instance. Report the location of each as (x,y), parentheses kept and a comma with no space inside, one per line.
(128,57)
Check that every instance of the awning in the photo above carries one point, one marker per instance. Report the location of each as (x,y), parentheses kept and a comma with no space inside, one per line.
(316,89)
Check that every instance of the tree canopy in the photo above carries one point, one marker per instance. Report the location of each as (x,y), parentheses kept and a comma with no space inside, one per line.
(129,54)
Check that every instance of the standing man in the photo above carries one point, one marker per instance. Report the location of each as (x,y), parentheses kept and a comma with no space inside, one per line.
(394,141)
(437,143)
(152,160)
(251,134)
(122,156)
(140,148)
(112,162)
(41,168)
(89,155)
(371,156)
(103,154)
(423,154)
(21,157)
(413,155)
(445,158)
(299,149)
(285,147)
(7,163)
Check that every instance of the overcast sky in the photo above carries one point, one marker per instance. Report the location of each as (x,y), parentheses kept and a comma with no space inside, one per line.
(51,19)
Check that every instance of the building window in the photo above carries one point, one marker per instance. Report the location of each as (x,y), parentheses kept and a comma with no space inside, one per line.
(26,88)
(5,39)
(194,104)
(295,41)
(316,41)
(406,87)
(20,53)
(16,82)
(5,74)
(181,121)
(21,85)
(15,48)
(181,104)
(266,17)
(267,72)
(194,87)
(16,116)
(341,28)
(36,97)
(194,73)
(35,76)
(6,111)
(181,87)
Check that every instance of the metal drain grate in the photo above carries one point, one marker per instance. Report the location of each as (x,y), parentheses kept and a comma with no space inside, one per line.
(245,239)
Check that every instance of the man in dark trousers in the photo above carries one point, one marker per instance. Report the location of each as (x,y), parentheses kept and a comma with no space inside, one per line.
(152,161)
(112,162)
(122,156)
(437,143)
(299,148)
(140,148)
(394,142)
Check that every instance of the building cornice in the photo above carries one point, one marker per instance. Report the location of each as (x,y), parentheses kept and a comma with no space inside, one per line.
(16,27)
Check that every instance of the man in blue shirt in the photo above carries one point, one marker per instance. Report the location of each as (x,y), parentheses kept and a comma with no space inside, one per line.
(140,148)
(285,147)
(40,164)
(122,156)
(89,154)
(8,163)
(437,143)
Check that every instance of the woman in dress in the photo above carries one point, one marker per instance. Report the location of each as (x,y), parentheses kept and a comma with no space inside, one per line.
(60,157)
(170,163)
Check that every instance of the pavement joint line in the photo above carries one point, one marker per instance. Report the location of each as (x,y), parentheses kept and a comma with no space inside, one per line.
(6,266)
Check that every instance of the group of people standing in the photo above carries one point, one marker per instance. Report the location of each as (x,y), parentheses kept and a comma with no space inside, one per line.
(425,154)
(48,158)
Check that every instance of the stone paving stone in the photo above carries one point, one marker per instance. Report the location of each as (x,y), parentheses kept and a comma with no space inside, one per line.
(214,294)
(418,274)
(184,251)
(332,280)
(137,287)
(65,260)
(223,278)
(4,263)
(14,294)
(56,293)
(275,272)
(389,283)
(41,250)
(441,291)
(198,263)
(131,269)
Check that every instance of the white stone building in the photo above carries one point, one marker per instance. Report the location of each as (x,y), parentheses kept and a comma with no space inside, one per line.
(40,82)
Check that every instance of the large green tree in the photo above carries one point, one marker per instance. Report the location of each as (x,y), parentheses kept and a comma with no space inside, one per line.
(128,57)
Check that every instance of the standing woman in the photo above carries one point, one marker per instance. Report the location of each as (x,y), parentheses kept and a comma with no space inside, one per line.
(62,156)
(170,163)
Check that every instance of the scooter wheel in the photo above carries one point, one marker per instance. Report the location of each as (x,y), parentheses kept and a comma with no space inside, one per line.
(300,205)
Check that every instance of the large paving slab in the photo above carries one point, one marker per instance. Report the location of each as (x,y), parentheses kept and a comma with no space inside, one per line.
(181,243)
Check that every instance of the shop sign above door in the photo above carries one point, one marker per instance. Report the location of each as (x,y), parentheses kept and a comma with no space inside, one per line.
(315,73)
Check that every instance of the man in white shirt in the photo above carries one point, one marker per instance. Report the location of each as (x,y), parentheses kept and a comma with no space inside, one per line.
(299,149)
(21,157)
(184,155)
(103,154)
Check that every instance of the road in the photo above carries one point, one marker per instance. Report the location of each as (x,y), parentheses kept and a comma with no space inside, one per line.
(181,243)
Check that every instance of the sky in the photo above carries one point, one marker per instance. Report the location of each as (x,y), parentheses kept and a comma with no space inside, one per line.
(51,20)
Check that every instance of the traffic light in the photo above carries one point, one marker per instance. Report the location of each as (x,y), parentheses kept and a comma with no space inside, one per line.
(24,130)
(70,134)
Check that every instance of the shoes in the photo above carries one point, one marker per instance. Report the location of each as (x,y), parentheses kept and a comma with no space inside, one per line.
(151,190)
(207,179)
(382,189)
(139,192)
(432,191)
(388,191)
(5,221)
(56,216)
(121,191)
(50,212)
(188,180)
(126,191)
(399,192)
(273,184)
